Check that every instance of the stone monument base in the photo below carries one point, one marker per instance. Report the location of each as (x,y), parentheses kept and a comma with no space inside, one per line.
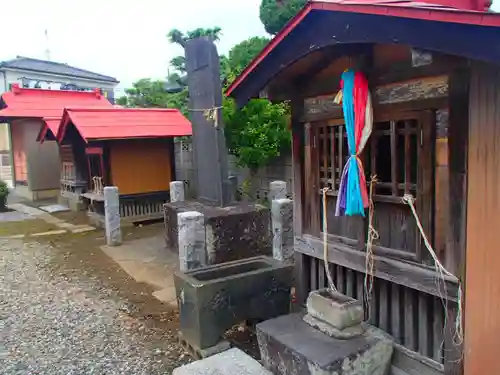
(290,346)
(233,232)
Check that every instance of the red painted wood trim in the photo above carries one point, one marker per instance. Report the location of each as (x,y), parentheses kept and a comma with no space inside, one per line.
(93,151)
(272,44)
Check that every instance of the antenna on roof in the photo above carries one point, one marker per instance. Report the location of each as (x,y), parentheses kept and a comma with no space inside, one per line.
(47,49)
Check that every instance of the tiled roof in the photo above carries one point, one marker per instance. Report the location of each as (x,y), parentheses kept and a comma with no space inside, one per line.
(44,66)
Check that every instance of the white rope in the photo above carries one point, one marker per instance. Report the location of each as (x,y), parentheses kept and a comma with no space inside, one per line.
(369,260)
(458,335)
(324,218)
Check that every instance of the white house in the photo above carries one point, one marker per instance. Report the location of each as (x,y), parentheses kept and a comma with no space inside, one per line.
(35,73)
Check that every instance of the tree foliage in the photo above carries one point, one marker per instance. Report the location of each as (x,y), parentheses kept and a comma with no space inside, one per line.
(176,36)
(258,132)
(274,14)
(147,93)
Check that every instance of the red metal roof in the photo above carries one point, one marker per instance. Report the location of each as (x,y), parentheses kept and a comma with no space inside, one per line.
(118,123)
(463,12)
(39,103)
(49,128)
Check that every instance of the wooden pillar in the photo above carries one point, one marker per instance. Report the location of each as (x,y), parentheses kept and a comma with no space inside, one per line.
(301,275)
(457,203)
(482,292)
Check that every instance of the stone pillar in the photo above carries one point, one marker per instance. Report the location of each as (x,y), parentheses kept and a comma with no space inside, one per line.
(277,190)
(233,183)
(112,216)
(191,232)
(177,191)
(282,226)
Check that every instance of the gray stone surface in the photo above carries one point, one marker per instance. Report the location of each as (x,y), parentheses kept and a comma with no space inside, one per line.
(346,333)
(192,251)
(334,308)
(112,216)
(213,299)
(209,143)
(277,190)
(177,191)
(233,232)
(289,346)
(282,224)
(230,362)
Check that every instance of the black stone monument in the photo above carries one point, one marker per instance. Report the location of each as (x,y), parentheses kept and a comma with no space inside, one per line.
(233,230)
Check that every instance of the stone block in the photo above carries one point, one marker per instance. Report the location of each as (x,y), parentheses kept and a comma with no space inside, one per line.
(234,232)
(335,309)
(177,191)
(192,252)
(289,346)
(277,190)
(213,299)
(112,216)
(282,224)
(231,362)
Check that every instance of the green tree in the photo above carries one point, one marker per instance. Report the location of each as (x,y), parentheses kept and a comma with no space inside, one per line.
(176,36)
(258,132)
(274,14)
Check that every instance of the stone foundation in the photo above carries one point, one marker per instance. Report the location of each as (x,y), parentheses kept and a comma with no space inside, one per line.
(290,346)
(234,232)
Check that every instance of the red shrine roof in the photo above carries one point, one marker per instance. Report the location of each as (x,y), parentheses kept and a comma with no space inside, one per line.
(40,103)
(470,12)
(120,123)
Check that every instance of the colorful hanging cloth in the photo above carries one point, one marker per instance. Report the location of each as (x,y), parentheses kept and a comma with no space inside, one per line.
(358,115)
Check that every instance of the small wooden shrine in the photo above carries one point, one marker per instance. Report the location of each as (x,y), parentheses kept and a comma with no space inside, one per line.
(131,148)
(433,73)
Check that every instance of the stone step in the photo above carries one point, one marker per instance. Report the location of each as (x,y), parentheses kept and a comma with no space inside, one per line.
(231,362)
(289,346)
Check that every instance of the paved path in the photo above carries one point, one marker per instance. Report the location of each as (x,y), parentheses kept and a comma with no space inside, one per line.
(55,320)
(148,261)
(23,212)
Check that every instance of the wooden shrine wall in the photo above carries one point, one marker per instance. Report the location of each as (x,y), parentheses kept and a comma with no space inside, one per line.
(141,166)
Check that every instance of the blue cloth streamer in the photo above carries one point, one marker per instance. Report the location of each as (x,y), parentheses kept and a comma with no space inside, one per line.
(353,198)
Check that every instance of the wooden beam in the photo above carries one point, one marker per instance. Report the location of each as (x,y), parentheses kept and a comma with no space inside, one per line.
(401,71)
(413,276)
(410,92)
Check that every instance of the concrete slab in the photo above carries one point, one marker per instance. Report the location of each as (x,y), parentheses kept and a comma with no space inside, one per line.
(82,229)
(230,362)
(53,208)
(48,233)
(167,295)
(147,261)
(15,216)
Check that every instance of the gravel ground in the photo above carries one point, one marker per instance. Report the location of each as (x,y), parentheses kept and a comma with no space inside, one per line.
(59,316)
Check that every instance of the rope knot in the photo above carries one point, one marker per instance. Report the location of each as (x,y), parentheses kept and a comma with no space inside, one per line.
(408,199)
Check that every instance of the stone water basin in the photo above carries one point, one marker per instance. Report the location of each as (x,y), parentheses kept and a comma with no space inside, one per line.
(213,299)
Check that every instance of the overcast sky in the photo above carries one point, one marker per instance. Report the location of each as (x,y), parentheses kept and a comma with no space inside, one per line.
(121,38)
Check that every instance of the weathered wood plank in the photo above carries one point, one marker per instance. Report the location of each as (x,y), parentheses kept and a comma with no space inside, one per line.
(411,320)
(425,183)
(301,277)
(438,330)
(297,107)
(394,160)
(424,326)
(397,315)
(321,275)
(384,306)
(413,363)
(401,92)
(350,283)
(420,278)
(313,274)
